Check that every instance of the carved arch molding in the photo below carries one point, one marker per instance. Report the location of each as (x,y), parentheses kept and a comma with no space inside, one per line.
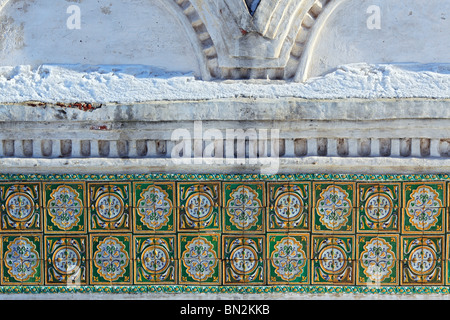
(252,39)
(286,39)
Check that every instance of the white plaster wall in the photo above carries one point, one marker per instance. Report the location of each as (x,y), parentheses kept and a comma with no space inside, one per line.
(35,32)
(411,31)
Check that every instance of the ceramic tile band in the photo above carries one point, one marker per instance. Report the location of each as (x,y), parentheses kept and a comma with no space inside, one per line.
(174,289)
(226,289)
(224,177)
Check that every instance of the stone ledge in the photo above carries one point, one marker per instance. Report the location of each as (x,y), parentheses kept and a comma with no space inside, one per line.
(239,109)
(330,165)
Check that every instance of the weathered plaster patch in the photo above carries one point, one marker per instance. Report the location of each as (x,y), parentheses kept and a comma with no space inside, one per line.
(12,35)
(106,10)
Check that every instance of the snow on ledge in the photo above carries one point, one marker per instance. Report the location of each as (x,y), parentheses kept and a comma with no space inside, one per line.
(137,83)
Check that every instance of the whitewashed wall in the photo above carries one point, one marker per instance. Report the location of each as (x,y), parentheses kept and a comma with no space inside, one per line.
(288,39)
(35,32)
(413,31)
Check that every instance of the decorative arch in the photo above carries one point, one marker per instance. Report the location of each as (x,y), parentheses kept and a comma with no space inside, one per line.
(193,31)
(413,18)
(204,44)
(266,44)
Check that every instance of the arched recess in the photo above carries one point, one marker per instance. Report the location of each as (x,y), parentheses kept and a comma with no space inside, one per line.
(146,32)
(412,31)
(268,44)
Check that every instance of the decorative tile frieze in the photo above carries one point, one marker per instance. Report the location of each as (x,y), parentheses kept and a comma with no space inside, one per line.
(365,234)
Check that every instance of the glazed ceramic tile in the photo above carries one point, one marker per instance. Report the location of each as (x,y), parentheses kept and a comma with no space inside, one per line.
(110,259)
(422,260)
(22,259)
(21,207)
(334,207)
(333,260)
(65,207)
(109,207)
(379,207)
(199,258)
(289,205)
(288,258)
(155,259)
(66,260)
(199,206)
(244,207)
(243,259)
(377,257)
(154,207)
(424,207)
(229,232)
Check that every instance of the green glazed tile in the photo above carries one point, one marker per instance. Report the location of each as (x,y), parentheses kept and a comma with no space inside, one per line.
(334,207)
(66,260)
(111,259)
(332,260)
(422,260)
(21,207)
(288,207)
(65,207)
(199,258)
(288,258)
(424,205)
(155,261)
(199,206)
(377,257)
(379,207)
(244,207)
(244,260)
(154,207)
(447,260)
(22,259)
(109,207)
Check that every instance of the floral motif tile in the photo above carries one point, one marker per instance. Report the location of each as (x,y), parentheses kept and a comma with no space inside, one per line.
(289,205)
(199,206)
(379,207)
(199,258)
(276,232)
(243,259)
(154,207)
(288,258)
(110,261)
(109,207)
(66,260)
(244,207)
(424,207)
(21,207)
(334,207)
(422,260)
(333,260)
(377,257)
(22,259)
(65,207)
(155,259)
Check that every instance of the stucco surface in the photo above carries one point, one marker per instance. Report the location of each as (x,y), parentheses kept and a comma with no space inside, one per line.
(111,32)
